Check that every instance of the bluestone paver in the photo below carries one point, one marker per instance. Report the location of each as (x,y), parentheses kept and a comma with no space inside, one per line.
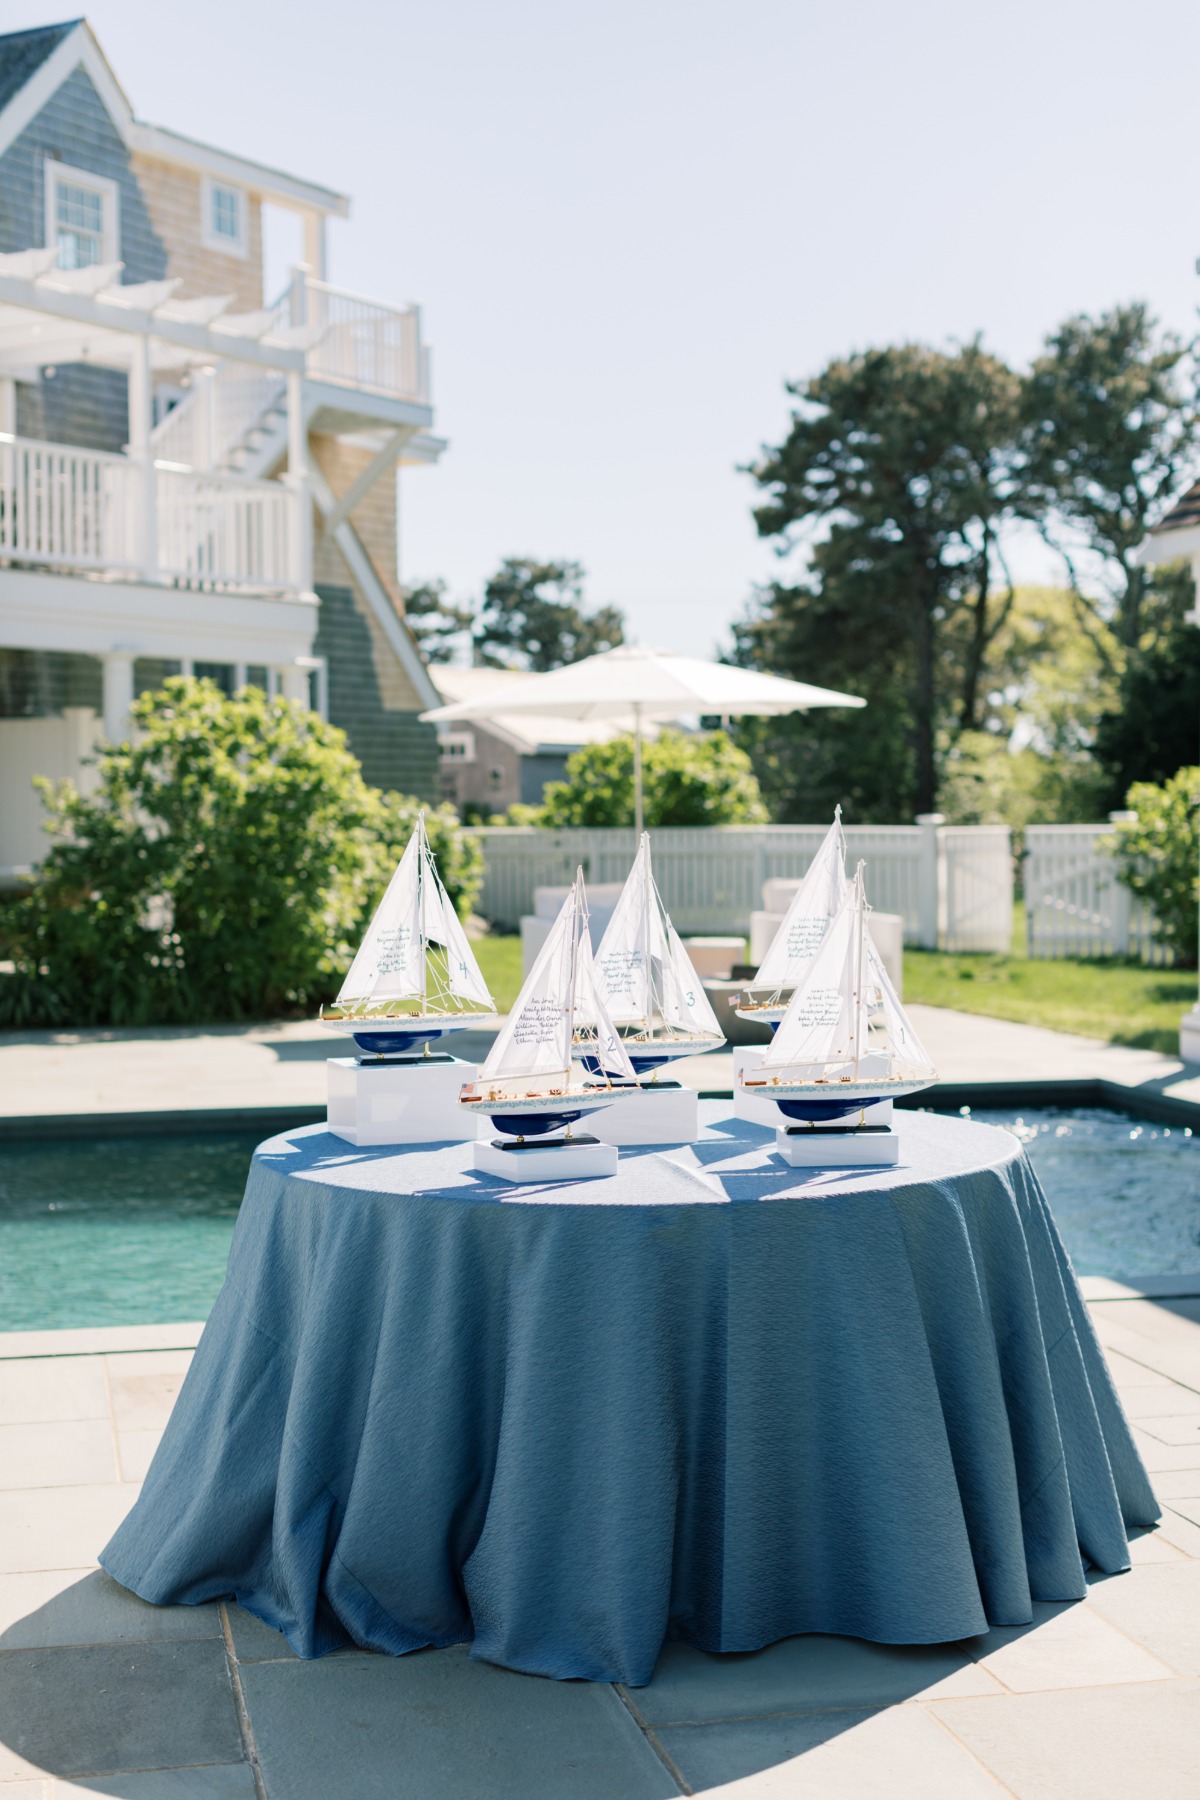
(107,1708)
(901,1754)
(802,1674)
(438,1724)
(233,1781)
(51,1609)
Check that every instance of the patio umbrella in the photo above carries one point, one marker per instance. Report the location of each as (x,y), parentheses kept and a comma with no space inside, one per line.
(634,686)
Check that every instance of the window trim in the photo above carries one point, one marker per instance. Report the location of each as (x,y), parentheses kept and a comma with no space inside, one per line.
(110,199)
(212,239)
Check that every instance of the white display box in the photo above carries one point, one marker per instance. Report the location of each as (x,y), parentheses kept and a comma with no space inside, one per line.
(562,1159)
(655,1112)
(765,1112)
(831,1147)
(376,1101)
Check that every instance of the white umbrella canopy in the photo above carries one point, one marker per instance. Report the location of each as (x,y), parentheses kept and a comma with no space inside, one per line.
(640,686)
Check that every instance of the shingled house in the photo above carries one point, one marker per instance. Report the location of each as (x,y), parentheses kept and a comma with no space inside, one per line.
(193,476)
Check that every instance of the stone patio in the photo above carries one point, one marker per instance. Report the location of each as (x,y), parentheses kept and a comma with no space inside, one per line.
(101,1694)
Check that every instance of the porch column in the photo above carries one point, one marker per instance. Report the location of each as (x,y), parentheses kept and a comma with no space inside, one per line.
(295,683)
(297,478)
(141,454)
(8,405)
(314,245)
(118,694)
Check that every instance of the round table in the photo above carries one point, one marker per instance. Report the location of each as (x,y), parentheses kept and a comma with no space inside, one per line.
(712,1397)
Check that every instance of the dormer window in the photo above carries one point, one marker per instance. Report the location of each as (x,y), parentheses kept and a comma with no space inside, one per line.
(81,216)
(224,214)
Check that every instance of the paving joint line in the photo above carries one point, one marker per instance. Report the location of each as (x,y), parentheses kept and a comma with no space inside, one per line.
(652,1738)
(245,1727)
(955,1739)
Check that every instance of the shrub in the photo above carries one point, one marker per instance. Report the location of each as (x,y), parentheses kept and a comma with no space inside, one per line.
(687,779)
(222,869)
(1158,853)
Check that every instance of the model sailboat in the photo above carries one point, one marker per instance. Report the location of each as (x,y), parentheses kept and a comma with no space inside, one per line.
(527,1086)
(415,975)
(813,909)
(845,1042)
(646,979)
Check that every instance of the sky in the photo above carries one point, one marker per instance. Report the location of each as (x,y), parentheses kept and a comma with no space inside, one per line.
(628,224)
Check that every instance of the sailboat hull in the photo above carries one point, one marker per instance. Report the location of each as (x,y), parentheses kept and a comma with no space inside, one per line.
(648,1056)
(537,1115)
(405,1037)
(819,1102)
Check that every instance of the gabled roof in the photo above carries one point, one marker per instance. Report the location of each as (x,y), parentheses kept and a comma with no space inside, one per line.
(34,65)
(1183,515)
(23,52)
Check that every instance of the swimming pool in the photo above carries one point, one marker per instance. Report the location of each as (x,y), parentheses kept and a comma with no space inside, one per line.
(136,1230)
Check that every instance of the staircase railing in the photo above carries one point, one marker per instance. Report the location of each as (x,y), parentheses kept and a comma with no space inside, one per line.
(222,406)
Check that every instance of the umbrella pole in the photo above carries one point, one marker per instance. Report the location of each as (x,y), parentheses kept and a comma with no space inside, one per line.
(638,822)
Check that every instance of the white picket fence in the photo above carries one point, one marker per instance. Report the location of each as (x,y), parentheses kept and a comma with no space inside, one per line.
(952,885)
(1074,904)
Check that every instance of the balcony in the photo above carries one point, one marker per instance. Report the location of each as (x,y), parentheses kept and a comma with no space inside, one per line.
(90,512)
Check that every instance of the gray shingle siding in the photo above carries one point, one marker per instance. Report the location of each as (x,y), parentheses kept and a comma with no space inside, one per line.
(80,405)
(395,749)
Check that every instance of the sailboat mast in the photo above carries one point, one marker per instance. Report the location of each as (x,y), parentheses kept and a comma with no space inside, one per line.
(575,899)
(648,965)
(423,956)
(861,911)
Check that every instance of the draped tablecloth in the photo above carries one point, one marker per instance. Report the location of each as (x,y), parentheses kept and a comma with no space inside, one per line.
(712,1397)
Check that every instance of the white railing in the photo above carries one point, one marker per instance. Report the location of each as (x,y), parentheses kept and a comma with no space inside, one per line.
(216,415)
(86,511)
(65,507)
(359,342)
(1074,904)
(712,879)
(218,531)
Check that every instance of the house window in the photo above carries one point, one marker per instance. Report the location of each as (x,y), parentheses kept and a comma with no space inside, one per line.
(457,746)
(81,216)
(224,217)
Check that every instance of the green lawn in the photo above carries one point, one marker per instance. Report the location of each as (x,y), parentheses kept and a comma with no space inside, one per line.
(499,960)
(1121,1002)
(1118,1001)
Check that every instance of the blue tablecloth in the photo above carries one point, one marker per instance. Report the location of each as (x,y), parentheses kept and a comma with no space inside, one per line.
(712,1396)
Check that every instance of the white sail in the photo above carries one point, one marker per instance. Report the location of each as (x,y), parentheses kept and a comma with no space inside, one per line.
(812,911)
(390,960)
(536,1038)
(624,957)
(592,1017)
(827,1017)
(441,925)
(903,1042)
(686,1006)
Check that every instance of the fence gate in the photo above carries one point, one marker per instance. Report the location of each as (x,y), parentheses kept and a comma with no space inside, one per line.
(978,887)
(1074,904)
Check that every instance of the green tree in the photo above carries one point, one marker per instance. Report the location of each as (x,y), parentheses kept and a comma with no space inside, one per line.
(1152,723)
(438,623)
(1158,853)
(533,617)
(897,475)
(1109,426)
(687,779)
(222,869)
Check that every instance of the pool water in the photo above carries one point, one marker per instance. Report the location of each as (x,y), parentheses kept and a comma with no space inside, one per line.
(117,1231)
(1125,1193)
(136,1230)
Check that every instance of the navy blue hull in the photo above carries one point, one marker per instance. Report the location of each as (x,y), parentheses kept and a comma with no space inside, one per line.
(394,1040)
(817,1110)
(536,1124)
